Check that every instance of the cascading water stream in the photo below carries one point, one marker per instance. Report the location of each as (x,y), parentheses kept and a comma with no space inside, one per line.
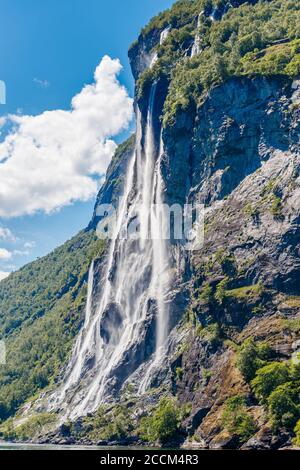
(163,36)
(160,281)
(161,261)
(88,339)
(88,309)
(136,275)
(197,43)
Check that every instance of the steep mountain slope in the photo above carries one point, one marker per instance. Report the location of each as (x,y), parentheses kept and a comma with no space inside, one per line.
(223,121)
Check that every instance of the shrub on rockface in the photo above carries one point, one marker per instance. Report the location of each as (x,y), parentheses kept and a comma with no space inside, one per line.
(268,378)
(163,425)
(251,357)
(108,425)
(237,420)
(276,385)
(297,433)
(284,405)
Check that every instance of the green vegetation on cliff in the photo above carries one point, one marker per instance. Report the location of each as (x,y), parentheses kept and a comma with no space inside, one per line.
(237,420)
(105,424)
(275,384)
(252,356)
(30,428)
(241,44)
(259,39)
(163,424)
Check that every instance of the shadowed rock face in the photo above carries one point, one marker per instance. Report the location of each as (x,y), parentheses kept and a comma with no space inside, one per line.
(240,126)
(111,322)
(243,145)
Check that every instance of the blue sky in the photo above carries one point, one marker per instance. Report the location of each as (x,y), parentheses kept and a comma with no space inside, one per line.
(49,50)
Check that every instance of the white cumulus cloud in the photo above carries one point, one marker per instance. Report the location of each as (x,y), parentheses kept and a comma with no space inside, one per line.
(5,254)
(51,160)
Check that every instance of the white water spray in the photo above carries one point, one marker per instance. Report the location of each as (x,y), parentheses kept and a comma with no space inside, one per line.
(160,281)
(136,275)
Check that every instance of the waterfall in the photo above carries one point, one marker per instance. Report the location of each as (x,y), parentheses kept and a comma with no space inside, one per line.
(160,281)
(88,309)
(163,36)
(197,42)
(161,261)
(136,276)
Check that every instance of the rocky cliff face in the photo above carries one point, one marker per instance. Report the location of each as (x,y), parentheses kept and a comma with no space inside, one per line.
(113,186)
(239,127)
(243,145)
(243,163)
(238,153)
